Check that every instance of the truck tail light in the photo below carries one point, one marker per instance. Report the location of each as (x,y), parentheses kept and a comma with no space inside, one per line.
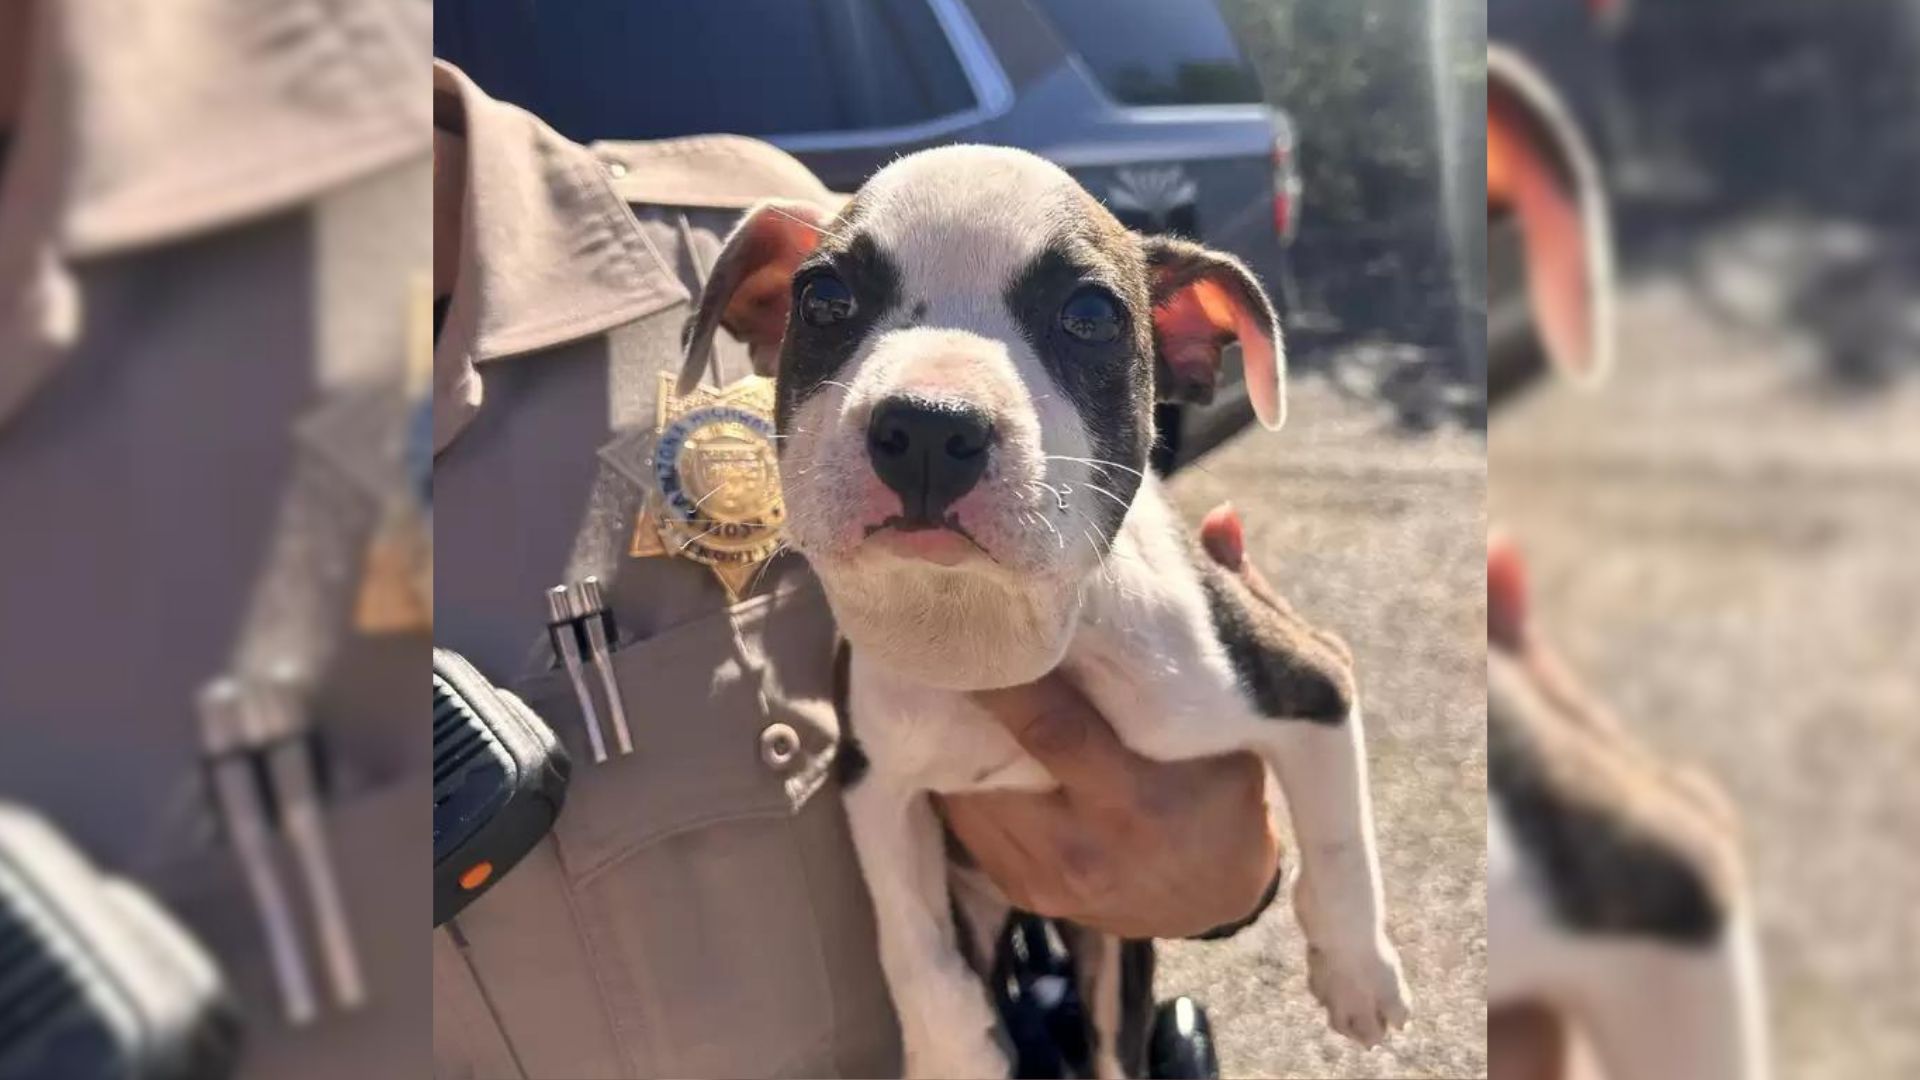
(1286,181)
(1607,14)
(1282,198)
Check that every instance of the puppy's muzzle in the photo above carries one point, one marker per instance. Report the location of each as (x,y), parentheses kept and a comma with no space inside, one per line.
(930,452)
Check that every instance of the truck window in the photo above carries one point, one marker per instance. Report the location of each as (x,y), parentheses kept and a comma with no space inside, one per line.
(614,69)
(1156,52)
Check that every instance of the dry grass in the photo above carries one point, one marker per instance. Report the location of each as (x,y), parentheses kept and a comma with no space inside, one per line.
(1379,537)
(1726,549)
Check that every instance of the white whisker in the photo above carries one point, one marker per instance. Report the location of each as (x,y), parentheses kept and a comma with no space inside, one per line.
(1056,532)
(692,540)
(796,219)
(1059,493)
(1097,462)
(1108,494)
(760,574)
(1106,557)
(1105,570)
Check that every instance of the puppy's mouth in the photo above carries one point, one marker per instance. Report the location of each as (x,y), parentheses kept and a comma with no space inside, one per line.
(944,543)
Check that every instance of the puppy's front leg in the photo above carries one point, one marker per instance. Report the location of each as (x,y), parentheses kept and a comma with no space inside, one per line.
(947,1024)
(1351,966)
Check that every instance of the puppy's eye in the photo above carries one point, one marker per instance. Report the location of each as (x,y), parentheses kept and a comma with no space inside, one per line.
(825,300)
(1092,315)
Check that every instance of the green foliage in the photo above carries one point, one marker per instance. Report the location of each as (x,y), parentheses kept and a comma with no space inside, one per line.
(1355,76)
(1386,98)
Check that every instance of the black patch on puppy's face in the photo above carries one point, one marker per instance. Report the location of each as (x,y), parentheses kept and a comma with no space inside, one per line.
(811,355)
(1110,384)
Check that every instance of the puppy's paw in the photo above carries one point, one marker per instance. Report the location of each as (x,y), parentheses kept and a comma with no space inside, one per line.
(1362,988)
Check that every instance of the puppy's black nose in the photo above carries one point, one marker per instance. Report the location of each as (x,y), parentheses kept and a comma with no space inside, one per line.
(929,452)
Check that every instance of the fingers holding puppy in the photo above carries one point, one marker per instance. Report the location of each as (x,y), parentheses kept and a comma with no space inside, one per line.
(1129,845)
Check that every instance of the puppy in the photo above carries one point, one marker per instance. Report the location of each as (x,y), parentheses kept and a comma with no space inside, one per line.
(967,357)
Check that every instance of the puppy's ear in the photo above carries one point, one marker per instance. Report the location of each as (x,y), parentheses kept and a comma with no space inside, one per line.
(1202,301)
(1540,170)
(750,290)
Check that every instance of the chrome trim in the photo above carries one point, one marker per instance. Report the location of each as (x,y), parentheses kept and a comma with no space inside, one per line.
(992,93)
(1186,150)
(1194,114)
(1223,141)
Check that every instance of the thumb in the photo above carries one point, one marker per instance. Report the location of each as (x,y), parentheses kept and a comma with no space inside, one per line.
(1224,537)
(1506,593)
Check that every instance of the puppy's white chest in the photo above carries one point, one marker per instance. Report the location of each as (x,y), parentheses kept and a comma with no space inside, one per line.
(938,740)
(1162,699)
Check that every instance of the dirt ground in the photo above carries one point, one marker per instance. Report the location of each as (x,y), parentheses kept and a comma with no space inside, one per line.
(1379,536)
(1723,542)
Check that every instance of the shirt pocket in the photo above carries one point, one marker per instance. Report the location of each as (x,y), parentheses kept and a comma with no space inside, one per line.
(685,862)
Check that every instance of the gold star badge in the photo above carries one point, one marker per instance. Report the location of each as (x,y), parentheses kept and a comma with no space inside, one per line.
(711,480)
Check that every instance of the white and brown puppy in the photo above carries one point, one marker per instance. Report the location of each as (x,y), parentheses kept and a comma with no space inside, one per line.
(967,358)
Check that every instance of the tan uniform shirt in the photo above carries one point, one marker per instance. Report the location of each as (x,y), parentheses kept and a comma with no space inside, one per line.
(208,223)
(698,910)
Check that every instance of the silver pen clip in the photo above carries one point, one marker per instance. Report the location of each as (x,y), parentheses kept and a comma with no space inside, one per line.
(303,820)
(580,624)
(247,722)
(224,735)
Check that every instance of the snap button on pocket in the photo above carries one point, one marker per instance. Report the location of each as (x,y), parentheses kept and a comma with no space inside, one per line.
(779,745)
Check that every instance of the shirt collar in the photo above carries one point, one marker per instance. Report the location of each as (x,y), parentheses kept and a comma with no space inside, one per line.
(144,126)
(548,251)
(218,111)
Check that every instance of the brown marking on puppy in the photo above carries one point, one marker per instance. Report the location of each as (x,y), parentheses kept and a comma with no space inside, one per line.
(1288,669)
(1509,632)
(1628,844)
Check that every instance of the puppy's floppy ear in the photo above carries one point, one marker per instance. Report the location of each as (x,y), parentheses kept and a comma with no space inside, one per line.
(750,290)
(1203,300)
(1540,169)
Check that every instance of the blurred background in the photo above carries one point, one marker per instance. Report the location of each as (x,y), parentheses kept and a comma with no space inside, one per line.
(1722,530)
